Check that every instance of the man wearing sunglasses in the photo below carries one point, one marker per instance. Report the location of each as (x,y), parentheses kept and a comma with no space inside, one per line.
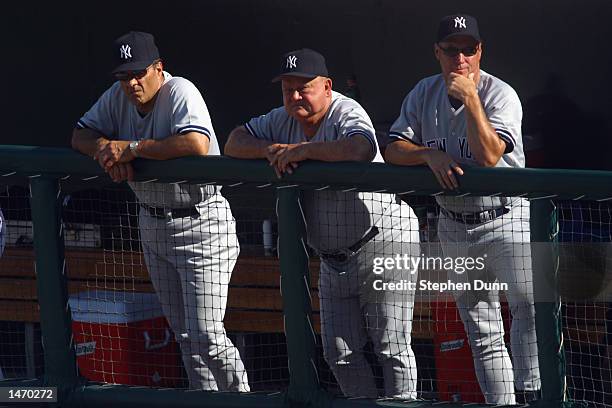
(187,231)
(467,117)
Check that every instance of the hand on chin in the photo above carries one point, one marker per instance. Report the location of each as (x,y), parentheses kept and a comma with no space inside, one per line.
(462,71)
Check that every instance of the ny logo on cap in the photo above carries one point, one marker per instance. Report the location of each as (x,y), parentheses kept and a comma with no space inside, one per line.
(126,51)
(460,22)
(291,62)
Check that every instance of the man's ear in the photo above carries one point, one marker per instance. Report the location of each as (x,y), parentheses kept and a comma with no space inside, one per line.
(159,66)
(436,51)
(328,86)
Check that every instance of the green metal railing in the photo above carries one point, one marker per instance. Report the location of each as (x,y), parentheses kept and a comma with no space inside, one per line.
(46,166)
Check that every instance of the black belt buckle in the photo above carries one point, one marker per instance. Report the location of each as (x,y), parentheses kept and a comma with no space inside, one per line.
(342,255)
(476,218)
(163,213)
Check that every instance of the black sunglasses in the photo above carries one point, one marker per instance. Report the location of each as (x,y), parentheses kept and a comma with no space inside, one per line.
(128,75)
(454,51)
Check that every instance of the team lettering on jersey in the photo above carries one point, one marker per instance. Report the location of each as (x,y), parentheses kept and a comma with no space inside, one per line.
(464,148)
(439,144)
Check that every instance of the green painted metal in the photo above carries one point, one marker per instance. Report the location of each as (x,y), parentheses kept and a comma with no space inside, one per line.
(55,319)
(304,388)
(30,160)
(15,383)
(551,356)
(120,396)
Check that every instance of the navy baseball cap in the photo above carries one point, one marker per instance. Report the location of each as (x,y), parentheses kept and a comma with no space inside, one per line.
(305,63)
(134,51)
(458,24)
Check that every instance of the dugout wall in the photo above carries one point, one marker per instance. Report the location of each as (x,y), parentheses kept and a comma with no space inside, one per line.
(521,46)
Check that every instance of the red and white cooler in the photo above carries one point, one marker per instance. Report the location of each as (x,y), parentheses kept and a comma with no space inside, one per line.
(124,338)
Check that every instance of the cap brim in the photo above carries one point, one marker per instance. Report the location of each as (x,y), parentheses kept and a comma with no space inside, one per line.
(131,66)
(477,38)
(296,74)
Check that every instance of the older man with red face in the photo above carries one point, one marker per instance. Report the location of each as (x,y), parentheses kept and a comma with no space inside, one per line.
(467,117)
(347,229)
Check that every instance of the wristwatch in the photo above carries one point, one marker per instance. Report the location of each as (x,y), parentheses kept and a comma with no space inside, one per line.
(134,146)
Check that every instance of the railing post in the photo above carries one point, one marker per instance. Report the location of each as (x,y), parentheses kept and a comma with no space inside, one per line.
(55,319)
(304,388)
(551,356)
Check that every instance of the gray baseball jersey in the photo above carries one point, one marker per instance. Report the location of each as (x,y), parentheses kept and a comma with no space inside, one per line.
(179,109)
(335,219)
(428,119)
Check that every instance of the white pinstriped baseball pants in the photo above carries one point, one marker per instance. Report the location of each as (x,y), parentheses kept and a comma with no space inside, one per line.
(351,311)
(190,261)
(505,241)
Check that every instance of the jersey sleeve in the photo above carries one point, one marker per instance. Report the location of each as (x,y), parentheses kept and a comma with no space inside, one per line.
(268,126)
(355,121)
(189,111)
(408,125)
(505,115)
(100,116)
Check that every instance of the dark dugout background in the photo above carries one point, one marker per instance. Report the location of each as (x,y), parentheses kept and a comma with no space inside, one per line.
(556,54)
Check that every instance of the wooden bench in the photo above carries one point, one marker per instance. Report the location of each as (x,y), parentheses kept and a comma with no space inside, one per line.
(254,300)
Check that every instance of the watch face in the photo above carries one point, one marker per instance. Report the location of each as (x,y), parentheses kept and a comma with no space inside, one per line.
(133,146)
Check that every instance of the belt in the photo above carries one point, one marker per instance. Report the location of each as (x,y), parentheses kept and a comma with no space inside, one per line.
(162,212)
(342,255)
(476,217)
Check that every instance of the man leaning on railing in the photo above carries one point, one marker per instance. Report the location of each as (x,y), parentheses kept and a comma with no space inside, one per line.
(467,117)
(348,229)
(188,233)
